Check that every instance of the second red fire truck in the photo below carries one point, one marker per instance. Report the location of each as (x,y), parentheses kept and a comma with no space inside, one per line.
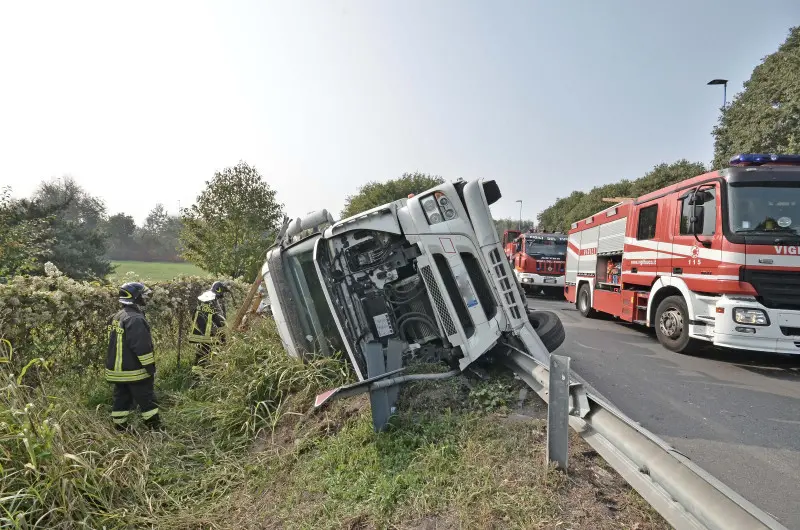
(538,260)
(714,258)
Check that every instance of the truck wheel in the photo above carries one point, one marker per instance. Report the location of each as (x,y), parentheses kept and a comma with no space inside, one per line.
(584,301)
(672,324)
(548,327)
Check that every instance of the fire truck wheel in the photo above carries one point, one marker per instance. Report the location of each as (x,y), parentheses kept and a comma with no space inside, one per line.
(584,301)
(548,327)
(672,324)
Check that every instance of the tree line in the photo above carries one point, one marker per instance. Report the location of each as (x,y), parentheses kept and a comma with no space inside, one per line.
(762,118)
(226,231)
(67,226)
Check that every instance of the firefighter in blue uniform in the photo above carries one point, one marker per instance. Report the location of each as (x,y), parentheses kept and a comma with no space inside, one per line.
(130,365)
(209,321)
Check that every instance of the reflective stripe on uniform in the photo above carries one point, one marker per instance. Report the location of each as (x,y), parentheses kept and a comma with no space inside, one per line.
(200,339)
(199,336)
(120,416)
(209,320)
(146,415)
(118,359)
(114,376)
(147,358)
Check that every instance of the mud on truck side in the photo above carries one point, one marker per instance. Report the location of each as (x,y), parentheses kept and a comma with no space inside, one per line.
(419,279)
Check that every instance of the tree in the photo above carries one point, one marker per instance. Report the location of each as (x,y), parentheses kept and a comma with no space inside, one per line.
(579,205)
(229,228)
(121,243)
(76,219)
(160,235)
(765,116)
(24,237)
(374,194)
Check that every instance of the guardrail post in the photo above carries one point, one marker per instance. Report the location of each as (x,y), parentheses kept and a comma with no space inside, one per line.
(558,412)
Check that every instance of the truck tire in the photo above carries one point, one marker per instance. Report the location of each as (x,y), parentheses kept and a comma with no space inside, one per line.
(672,325)
(584,301)
(548,327)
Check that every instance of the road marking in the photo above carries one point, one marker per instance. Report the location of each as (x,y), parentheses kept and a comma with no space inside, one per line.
(587,347)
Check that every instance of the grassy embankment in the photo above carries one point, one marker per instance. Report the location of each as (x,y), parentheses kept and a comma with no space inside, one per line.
(243,450)
(154,271)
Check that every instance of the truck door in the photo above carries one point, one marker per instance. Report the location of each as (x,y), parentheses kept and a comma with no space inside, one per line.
(640,259)
(697,237)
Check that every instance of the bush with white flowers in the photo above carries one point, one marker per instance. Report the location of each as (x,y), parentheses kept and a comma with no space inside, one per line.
(64,320)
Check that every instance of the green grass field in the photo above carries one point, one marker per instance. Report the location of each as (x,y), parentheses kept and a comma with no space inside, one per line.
(154,271)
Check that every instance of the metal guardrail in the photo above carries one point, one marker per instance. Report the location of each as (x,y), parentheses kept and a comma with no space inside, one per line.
(683,493)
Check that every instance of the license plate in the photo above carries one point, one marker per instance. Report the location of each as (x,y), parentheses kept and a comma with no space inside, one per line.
(550,280)
(790,320)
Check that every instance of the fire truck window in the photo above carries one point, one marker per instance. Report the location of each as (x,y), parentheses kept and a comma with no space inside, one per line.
(706,214)
(647,222)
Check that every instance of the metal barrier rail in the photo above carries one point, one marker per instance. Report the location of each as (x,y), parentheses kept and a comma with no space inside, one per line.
(683,493)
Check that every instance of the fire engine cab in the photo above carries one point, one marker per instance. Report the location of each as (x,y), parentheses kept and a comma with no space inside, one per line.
(538,260)
(713,258)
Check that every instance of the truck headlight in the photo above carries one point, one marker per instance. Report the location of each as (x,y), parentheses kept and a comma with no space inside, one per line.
(438,208)
(753,317)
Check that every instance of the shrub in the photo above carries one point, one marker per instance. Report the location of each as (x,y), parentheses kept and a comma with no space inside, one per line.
(64,320)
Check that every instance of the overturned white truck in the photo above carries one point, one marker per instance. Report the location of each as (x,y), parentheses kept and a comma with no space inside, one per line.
(418,279)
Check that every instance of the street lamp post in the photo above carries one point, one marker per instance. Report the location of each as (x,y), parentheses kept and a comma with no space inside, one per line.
(724,83)
(520,214)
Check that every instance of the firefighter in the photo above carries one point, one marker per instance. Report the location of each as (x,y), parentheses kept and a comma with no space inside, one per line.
(209,321)
(130,365)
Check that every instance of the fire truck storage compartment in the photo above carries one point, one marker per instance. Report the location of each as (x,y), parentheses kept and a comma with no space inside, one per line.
(611,238)
(607,301)
(609,271)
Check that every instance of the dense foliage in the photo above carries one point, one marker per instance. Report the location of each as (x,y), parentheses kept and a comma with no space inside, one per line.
(40,315)
(578,205)
(24,239)
(765,116)
(232,223)
(79,243)
(374,194)
(156,240)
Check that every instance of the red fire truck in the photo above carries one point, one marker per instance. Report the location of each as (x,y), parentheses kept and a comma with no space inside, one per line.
(538,260)
(714,258)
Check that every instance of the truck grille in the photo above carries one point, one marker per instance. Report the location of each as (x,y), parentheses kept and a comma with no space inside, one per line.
(550,267)
(776,289)
(441,307)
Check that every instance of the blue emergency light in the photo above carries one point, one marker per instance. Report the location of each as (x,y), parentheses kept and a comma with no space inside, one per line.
(759,159)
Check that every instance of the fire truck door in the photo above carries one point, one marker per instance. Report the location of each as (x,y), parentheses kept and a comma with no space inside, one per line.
(697,240)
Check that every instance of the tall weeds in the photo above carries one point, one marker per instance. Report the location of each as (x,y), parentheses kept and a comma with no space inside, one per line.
(63,466)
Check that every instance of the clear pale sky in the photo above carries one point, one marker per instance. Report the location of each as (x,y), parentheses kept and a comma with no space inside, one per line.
(142,101)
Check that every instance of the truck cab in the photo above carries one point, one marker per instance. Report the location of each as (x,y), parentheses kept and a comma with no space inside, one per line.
(539,261)
(425,278)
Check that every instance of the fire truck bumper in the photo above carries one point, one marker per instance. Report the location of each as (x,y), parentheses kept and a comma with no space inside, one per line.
(745,324)
(528,279)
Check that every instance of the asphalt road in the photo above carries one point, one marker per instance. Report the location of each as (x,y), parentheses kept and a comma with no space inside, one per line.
(736,414)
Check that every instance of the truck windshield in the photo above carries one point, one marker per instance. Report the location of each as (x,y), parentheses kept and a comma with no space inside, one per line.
(315,314)
(545,248)
(764,207)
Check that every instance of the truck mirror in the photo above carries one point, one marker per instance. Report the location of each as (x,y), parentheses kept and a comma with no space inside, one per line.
(492,191)
(696,221)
